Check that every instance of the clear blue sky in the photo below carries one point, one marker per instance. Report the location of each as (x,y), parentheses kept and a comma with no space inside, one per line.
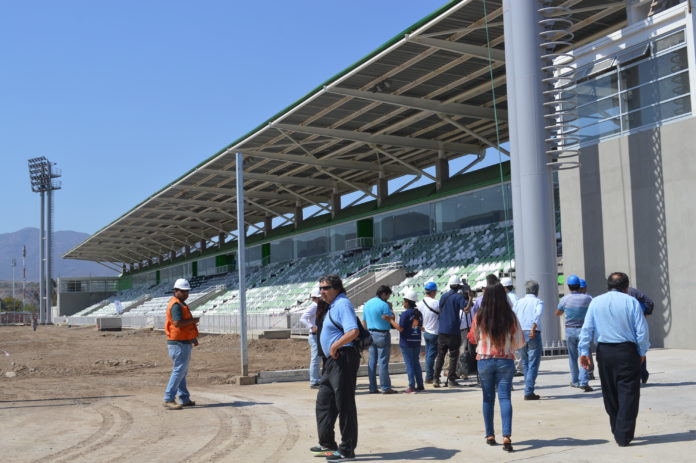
(125,96)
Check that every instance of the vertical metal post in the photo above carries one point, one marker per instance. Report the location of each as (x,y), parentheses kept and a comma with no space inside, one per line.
(531,177)
(241,264)
(49,253)
(14,264)
(42,264)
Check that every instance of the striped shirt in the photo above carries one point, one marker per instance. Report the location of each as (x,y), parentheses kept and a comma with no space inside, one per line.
(574,305)
(485,348)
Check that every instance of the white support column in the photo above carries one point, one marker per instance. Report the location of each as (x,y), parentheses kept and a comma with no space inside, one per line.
(531,176)
(241,264)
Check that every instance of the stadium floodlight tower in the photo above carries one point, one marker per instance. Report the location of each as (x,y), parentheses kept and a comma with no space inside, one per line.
(43,175)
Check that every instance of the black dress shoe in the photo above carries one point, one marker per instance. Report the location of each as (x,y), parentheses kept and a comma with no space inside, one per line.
(507,446)
(531,397)
(491,441)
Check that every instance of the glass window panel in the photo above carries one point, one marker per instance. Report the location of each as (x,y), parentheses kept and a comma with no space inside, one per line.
(600,129)
(654,68)
(602,109)
(312,243)
(657,113)
(414,221)
(669,41)
(655,92)
(340,233)
(596,88)
(283,250)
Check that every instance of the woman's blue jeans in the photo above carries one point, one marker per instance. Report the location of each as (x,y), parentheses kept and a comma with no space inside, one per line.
(413,369)
(496,374)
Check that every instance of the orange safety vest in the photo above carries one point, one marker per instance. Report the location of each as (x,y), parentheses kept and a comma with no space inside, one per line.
(183,333)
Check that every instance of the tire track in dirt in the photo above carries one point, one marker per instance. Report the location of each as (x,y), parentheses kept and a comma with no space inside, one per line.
(291,436)
(122,422)
(234,429)
(147,439)
(107,425)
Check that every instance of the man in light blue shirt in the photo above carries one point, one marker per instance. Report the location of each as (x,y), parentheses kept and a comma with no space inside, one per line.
(336,396)
(574,305)
(529,310)
(616,321)
(380,349)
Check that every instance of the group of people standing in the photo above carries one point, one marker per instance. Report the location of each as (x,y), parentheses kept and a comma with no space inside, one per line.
(492,328)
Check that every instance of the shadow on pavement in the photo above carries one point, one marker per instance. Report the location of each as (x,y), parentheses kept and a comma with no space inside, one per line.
(531,444)
(236,403)
(420,454)
(686,436)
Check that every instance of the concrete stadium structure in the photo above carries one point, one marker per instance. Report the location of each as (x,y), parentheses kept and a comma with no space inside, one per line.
(319,176)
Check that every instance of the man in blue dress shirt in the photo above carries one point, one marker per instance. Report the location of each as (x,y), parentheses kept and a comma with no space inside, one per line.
(336,396)
(616,321)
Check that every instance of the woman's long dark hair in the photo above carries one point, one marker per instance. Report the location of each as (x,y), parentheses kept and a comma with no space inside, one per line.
(495,317)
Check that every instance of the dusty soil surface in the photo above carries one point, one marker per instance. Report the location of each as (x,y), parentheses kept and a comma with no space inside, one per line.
(76,395)
(135,358)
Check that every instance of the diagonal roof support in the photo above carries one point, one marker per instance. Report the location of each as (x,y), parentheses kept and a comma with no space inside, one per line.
(414,169)
(365,189)
(391,140)
(304,198)
(453,109)
(466,130)
(303,181)
(459,47)
(324,162)
(248,194)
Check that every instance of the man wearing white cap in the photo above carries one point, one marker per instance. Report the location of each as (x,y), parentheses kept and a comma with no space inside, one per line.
(308,319)
(182,335)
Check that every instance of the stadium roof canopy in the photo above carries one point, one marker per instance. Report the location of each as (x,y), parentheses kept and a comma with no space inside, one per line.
(436,89)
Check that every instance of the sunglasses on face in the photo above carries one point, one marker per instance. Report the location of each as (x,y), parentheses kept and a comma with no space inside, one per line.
(325,288)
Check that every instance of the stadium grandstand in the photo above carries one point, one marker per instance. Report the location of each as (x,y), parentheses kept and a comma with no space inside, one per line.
(396,171)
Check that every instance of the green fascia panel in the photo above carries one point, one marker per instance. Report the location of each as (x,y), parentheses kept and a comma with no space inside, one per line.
(365,228)
(194,268)
(124,283)
(265,253)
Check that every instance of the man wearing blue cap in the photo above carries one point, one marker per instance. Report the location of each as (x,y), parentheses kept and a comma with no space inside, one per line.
(430,309)
(574,306)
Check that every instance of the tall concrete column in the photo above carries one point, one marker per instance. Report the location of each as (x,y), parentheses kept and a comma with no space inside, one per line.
(335,204)
(267,225)
(382,189)
(221,239)
(298,215)
(534,227)
(441,170)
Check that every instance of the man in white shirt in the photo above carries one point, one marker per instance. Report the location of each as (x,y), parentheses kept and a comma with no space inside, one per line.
(430,308)
(308,319)
(529,310)
(512,297)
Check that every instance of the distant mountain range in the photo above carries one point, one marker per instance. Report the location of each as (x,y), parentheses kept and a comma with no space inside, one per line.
(11,247)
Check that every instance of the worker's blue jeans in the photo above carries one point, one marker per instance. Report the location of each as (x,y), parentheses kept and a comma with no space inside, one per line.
(181,357)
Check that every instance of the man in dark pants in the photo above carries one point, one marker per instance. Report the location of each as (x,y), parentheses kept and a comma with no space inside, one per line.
(336,397)
(449,337)
(616,320)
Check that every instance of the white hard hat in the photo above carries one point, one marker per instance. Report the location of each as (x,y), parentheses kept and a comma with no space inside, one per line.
(183,284)
(454,280)
(410,295)
(315,292)
(506,281)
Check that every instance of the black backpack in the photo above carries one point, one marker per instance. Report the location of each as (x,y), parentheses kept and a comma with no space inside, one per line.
(364,339)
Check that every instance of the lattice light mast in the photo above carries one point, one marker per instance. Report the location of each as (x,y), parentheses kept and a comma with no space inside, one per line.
(43,176)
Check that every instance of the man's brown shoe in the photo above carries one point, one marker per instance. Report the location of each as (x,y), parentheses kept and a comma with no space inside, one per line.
(172,405)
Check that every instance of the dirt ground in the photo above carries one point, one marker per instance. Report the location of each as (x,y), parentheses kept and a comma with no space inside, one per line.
(132,359)
(76,395)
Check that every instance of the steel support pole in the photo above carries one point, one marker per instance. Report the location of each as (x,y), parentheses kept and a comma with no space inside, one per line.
(42,264)
(49,251)
(531,178)
(241,264)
